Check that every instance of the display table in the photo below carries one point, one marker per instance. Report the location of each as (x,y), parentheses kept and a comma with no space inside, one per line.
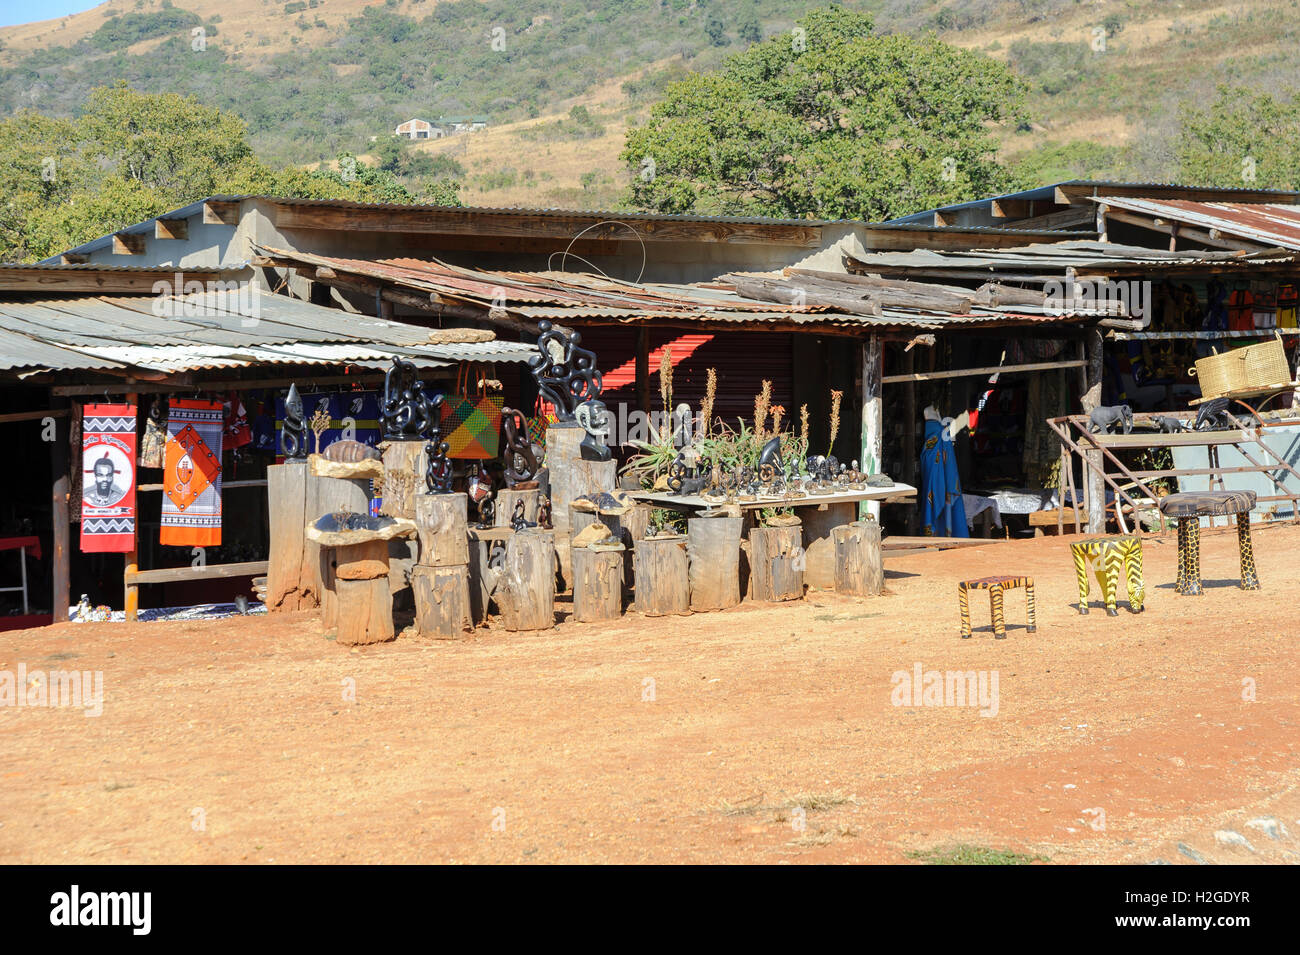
(819,514)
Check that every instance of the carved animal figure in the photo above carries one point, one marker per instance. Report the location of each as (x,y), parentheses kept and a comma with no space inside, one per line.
(349,452)
(1105,418)
(1166,425)
(1213,416)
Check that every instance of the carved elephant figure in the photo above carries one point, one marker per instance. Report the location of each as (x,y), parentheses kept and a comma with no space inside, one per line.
(1105,418)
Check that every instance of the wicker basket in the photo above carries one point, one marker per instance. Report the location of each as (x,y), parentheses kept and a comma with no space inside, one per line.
(1260,366)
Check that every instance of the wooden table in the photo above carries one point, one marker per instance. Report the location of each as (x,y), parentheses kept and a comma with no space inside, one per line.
(820,514)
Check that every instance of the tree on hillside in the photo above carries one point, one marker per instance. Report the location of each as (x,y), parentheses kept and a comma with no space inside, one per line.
(829,121)
(132,155)
(1246,138)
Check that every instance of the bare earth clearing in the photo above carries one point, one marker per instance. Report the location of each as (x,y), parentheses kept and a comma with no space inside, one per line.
(545,747)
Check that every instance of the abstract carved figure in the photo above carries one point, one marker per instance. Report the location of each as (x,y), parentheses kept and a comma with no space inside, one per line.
(995,586)
(594,420)
(1189,507)
(1105,418)
(1109,556)
(769,461)
(1213,416)
(566,373)
(406,413)
(519,454)
(293,440)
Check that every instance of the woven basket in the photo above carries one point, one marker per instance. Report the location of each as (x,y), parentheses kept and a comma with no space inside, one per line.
(1242,369)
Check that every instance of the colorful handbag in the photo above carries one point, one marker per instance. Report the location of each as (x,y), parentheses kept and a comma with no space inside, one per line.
(471,419)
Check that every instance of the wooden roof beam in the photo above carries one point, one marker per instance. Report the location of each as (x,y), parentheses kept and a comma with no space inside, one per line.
(171,228)
(220,212)
(128,243)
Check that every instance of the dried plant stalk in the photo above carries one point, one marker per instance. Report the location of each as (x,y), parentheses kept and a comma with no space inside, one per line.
(762,401)
(706,406)
(803,424)
(835,417)
(778,412)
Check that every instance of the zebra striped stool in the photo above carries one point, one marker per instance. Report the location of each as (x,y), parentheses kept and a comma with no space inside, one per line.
(995,586)
(1109,556)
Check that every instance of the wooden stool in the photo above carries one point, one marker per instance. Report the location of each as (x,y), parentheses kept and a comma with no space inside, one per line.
(995,586)
(1110,555)
(1189,508)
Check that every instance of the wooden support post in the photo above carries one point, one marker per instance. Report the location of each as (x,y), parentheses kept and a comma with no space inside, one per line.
(526,586)
(440,582)
(365,605)
(287,580)
(483,577)
(597,583)
(713,548)
(628,528)
(819,548)
(911,463)
(324,495)
(662,577)
(859,564)
(504,505)
(643,370)
(872,414)
(442,601)
(60,560)
(776,563)
(329,596)
(442,524)
(404,465)
(570,477)
(131,592)
(1095,492)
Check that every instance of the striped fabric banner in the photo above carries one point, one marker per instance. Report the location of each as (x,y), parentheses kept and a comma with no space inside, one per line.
(108,478)
(191,507)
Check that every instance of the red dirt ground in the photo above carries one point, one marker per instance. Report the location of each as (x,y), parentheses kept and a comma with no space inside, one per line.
(542,747)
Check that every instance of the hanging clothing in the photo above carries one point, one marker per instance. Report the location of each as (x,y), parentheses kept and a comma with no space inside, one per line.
(942,512)
(191,507)
(1287,301)
(1241,310)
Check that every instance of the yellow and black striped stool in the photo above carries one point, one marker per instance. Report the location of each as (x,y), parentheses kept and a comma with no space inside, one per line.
(1109,556)
(1189,507)
(995,586)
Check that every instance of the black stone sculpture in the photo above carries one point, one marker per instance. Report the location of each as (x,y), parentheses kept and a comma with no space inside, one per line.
(517,520)
(293,439)
(519,455)
(544,513)
(566,373)
(406,412)
(1213,416)
(437,470)
(769,461)
(487,510)
(594,419)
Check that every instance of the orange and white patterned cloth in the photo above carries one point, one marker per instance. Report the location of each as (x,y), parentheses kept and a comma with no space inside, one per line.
(191,508)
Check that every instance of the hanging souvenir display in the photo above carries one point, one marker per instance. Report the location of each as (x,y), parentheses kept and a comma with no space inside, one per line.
(155,437)
(238,432)
(191,508)
(108,485)
(471,417)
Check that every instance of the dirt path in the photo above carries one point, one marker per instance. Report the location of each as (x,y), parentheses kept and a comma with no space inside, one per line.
(691,739)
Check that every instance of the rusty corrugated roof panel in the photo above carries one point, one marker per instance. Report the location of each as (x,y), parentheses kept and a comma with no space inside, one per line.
(1269,224)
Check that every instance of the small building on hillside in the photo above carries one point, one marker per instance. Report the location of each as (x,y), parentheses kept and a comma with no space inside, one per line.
(419,129)
(451,125)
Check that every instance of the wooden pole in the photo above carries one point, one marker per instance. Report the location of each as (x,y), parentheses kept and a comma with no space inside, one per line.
(1095,494)
(872,414)
(597,583)
(60,559)
(713,548)
(910,462)
(286,492)
(526,586)
(365,604)
(776,563)
(859,563)
(662,577)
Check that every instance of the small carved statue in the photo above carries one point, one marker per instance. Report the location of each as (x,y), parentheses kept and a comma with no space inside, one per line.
(520,454)
(544,513)
(769,461)
(293,440)
(1213,416)
(406,413)
(594,419)
(1104,419)
(487,510)
(517,520)
(437,471)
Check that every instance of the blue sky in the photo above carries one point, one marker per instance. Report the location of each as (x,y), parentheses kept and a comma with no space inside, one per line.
(24,11)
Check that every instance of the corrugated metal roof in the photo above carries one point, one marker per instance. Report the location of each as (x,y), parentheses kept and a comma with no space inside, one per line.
(577,298)
(213,330)
(1056,257)
(1269,224)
